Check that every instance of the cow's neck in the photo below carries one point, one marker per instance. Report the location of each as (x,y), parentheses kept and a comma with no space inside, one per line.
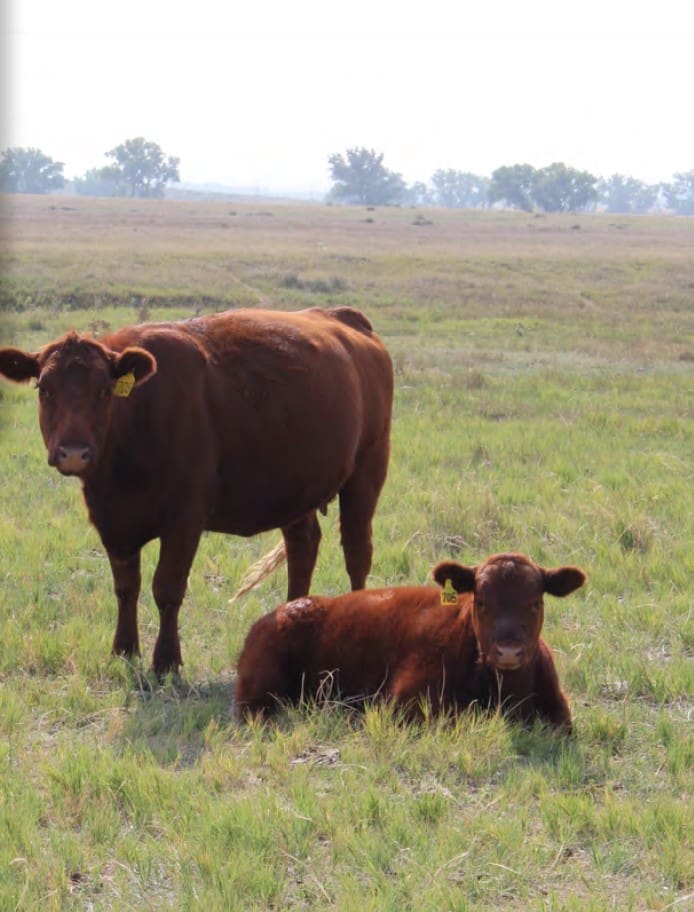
(118,496)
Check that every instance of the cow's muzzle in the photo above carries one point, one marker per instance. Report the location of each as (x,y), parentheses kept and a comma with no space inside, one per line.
(72,460)
(507,656)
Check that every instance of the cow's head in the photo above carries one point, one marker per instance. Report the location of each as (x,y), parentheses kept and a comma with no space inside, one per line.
(508,607)
(77,379)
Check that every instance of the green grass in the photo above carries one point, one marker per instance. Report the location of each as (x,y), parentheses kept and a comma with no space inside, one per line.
(544,381)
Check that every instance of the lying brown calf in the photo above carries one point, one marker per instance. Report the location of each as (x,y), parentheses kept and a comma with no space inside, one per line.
(476,641)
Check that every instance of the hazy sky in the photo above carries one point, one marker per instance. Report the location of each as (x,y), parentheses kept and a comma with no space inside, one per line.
(260,93)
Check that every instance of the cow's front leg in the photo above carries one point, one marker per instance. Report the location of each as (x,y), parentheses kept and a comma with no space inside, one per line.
(549,701)
(169,585)
(126,583)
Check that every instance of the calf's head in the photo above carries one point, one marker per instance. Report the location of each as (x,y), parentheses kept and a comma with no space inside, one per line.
(77,379)
(507,605)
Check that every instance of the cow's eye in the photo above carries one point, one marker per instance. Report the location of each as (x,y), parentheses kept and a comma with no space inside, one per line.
(536,607)
(45,393)
(104,392)
(480,606)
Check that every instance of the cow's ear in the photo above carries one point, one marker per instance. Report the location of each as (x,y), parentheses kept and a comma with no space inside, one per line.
(561,581)
(462,578)
(18,365)
(136,361)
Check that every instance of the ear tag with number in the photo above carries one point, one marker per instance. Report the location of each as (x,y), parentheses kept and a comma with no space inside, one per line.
(124,385)
(448,594)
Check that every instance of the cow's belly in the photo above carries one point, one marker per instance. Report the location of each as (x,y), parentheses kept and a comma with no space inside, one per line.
(257,503)
(269,479)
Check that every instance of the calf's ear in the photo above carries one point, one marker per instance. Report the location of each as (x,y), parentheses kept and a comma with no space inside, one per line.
(136,361)
(561,581)
(462,578)
(18,365)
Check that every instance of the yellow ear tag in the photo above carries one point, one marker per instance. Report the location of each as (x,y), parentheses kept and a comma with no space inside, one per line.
(124,385)
(448,594)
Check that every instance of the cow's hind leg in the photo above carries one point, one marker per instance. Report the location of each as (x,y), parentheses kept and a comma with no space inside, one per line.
(301,541)
(358,499)
(126,582)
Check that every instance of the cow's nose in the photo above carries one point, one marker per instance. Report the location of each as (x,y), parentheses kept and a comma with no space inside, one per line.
(508,656)
(73,460)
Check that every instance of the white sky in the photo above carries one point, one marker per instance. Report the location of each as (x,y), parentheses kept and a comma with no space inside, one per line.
(258,93)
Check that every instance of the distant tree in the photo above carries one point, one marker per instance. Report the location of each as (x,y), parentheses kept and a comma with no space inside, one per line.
(141,168)
(555,188)
(460,189)
(29,171)
(417,194)
(361,177)
(558,188)
(679,195)
(622,194)
(100,182)
(513,185)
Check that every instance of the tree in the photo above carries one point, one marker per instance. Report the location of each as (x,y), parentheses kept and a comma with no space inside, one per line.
(460,189)
(417,194)
(513,185)
(680,193)
(627,195)
(561,189)
(555,188)
(29,171)
(141,168)
(99,182)
(361,177)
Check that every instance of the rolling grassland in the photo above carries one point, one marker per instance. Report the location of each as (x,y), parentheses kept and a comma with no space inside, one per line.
(544,375)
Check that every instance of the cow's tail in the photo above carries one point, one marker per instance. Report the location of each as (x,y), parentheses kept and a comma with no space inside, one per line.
(257,572)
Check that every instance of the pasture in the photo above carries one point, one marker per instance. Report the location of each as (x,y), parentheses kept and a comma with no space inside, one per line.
(544,374)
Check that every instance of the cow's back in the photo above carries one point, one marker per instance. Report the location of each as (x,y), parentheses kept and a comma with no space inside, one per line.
(295,399)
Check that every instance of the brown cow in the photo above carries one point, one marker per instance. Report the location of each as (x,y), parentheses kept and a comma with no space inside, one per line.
(476,641)
(238,422)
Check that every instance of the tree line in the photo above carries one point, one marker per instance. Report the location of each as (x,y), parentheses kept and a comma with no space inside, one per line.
(139,168)
(361,177)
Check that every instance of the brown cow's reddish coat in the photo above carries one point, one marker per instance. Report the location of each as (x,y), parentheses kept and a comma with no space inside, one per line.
(238,422)
(480,645)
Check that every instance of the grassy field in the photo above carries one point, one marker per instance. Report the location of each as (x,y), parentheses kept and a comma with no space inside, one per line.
(544,384)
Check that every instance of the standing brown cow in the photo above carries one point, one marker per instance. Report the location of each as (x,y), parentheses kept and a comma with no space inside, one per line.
(238,422)
(475,641)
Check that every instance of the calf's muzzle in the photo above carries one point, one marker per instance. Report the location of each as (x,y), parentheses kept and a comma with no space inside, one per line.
(508,656)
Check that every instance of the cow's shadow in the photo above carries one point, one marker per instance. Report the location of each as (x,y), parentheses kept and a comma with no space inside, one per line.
(176,720)
(173,721)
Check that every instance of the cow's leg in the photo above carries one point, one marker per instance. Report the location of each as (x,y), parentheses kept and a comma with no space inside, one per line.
(126,582)
(301,541)
(178,549)
(549,701)
(417,688)
(358,499)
